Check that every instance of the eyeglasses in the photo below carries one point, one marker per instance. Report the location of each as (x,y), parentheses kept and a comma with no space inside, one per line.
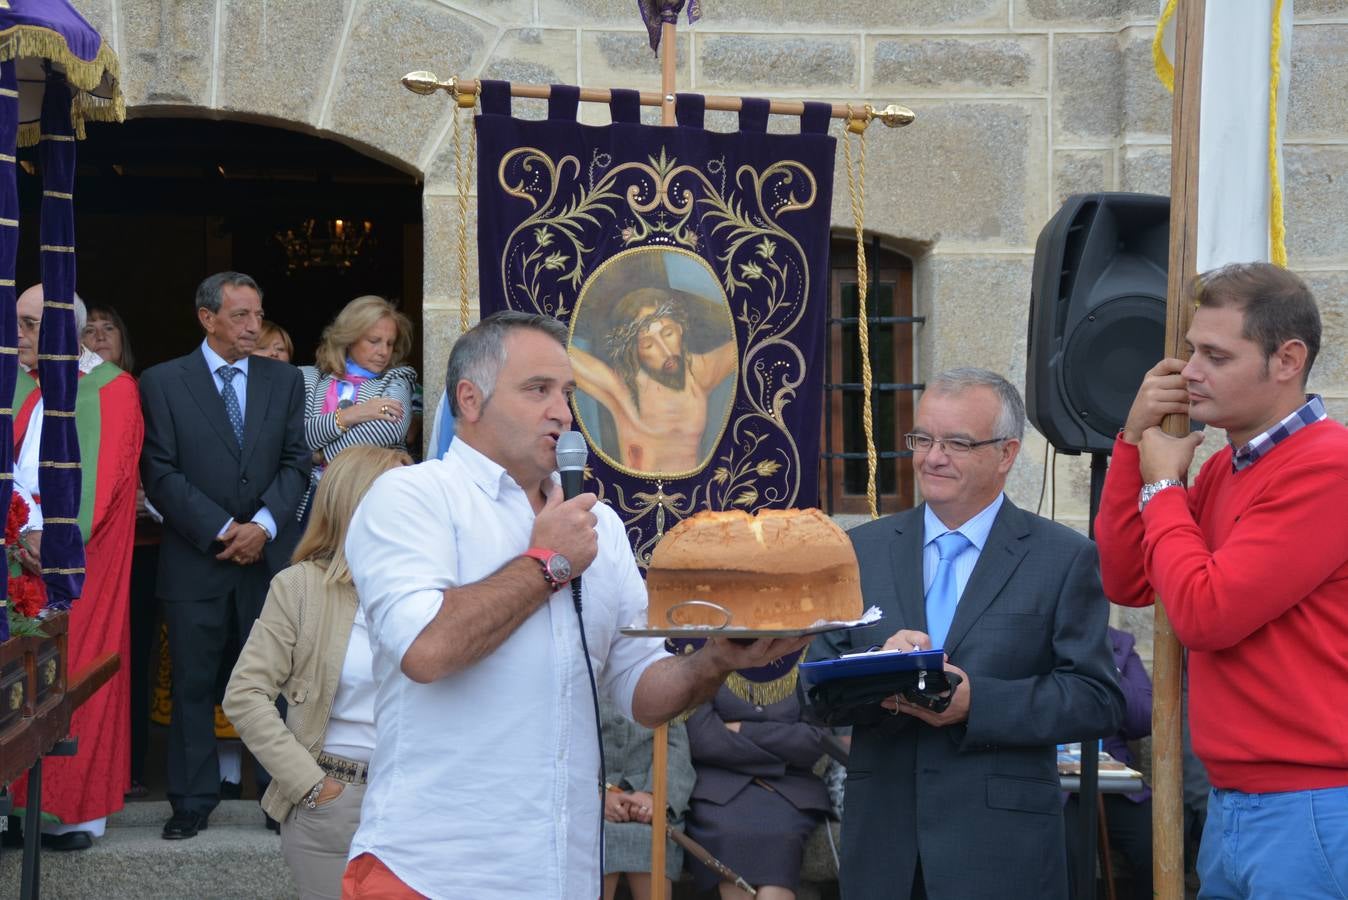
(922,443)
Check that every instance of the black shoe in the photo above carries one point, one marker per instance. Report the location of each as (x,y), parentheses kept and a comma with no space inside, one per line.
(272,824)
(230,790)
(71,840)
(12,836)
(184,824)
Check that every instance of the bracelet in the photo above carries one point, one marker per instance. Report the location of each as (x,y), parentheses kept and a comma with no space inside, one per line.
(265,533)
(310,799)
(337,420)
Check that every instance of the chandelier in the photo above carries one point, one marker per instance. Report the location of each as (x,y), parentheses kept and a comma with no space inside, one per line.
(326,244)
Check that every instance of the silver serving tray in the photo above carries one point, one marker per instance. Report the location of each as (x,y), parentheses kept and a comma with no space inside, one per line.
(729,629)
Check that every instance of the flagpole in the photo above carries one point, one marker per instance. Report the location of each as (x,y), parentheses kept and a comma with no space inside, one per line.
(1167,655)
(660,742)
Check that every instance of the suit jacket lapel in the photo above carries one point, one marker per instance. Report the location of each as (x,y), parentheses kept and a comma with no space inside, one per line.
(1005,548)
(201,385)
(259,395)
(906,559)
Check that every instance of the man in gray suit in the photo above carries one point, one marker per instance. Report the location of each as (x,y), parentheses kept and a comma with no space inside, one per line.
(966,803)
(225,463)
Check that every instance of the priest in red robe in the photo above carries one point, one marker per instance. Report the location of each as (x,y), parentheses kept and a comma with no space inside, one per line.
(83,789)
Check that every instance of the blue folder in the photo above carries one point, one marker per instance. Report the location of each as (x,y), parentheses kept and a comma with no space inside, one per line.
(880,662)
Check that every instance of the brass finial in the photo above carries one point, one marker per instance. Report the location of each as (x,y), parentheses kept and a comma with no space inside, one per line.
(426,83)
(893,115)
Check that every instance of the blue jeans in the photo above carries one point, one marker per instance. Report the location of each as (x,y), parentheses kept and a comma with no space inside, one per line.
(1288,845)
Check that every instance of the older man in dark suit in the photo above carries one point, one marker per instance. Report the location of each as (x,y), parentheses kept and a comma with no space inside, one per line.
(225,463)
(965,803)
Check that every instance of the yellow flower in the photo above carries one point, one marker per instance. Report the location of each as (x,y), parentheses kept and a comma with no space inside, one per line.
(751,270)
(722,473)
(556,260)
(767,467)
(747,497)
(542,235)
(766,248)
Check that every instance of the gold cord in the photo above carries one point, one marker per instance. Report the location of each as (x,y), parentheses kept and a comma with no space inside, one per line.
(856,186)
(463,184)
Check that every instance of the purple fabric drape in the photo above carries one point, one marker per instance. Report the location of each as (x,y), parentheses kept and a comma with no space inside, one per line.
(58,355)
(9,249)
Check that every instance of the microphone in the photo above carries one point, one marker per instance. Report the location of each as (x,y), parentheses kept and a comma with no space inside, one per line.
(571,455)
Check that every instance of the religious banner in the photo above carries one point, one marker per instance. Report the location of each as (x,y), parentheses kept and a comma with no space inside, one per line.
(691,267)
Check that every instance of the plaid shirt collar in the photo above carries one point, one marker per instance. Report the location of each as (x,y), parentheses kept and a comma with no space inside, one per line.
(1308,413)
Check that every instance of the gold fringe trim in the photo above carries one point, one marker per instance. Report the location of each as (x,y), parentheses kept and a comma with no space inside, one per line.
(26,41)
(763,693)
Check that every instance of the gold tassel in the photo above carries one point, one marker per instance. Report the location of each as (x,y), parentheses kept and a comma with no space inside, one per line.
(28,41)
(763,693)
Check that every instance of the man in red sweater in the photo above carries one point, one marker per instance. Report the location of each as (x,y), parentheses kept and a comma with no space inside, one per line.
(1252,565)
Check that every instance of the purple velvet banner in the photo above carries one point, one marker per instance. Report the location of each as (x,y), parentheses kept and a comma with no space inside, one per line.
(692,269)
(58,355)
(9,250)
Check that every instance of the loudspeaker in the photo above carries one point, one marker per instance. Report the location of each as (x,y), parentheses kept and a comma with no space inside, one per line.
(1097,315)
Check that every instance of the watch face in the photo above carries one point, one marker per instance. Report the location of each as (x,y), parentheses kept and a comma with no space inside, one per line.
(559,568)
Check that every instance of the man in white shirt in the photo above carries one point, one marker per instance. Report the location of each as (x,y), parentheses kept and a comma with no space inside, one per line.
(484,780)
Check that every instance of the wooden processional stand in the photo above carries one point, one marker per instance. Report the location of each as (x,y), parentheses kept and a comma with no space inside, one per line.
(858,118)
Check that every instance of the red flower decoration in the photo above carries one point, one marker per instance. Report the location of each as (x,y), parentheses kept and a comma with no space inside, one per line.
(18,517)
(27,594)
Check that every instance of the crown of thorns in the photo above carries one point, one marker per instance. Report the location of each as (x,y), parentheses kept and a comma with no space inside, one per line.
(620,337)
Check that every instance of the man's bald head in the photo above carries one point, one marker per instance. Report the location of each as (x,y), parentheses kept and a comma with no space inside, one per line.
(29,309)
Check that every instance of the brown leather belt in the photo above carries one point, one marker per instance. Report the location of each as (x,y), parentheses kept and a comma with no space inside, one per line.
(343,769)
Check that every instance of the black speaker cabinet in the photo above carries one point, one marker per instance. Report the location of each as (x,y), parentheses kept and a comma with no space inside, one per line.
(1097,315)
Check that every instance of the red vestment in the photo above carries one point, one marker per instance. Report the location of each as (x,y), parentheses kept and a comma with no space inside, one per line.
(92,783)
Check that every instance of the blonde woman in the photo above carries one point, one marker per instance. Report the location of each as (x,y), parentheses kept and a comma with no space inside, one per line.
(274,342)
(310,644)
(359,391)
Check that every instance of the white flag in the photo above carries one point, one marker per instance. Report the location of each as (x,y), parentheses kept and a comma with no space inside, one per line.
(1247,53)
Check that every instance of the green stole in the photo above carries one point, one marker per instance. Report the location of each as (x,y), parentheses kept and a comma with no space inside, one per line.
(88,427)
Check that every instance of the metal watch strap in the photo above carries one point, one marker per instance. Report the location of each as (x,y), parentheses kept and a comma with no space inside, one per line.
(1152,489)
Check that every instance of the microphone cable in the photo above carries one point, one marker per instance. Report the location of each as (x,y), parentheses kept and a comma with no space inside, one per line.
(598,723)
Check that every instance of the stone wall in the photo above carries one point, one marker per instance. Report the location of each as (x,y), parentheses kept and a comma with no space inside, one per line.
(1019,103)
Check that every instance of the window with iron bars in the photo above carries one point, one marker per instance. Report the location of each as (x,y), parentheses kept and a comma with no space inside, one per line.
(842,476)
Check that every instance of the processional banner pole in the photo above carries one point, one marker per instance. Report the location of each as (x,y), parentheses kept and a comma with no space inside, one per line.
(1167,655)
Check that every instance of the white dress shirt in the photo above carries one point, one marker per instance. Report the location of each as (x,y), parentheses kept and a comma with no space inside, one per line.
(976,530)
(485,783)
(214,361)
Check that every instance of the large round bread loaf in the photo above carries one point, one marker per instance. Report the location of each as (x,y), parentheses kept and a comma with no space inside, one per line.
(779,569)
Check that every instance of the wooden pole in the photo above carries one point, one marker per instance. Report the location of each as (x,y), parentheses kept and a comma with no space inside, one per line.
(892,115)
(1167,659)
(660,744)
(669,68)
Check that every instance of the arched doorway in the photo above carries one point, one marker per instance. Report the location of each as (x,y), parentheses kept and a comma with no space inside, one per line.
(163,202)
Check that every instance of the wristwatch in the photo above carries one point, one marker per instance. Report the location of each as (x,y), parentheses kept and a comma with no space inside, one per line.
(556,568)
(1151,490)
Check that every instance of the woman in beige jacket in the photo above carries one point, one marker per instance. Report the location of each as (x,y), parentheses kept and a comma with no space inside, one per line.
(310,644)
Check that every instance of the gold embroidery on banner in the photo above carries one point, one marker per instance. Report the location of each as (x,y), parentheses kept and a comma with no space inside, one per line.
(56,304)
(7,157)
(49,464)
(59,357)
(59,195)
(56,571)
(762,270)
(9,351)
(57,137)
(8,92)
(56,248)
(12,223)
(53,520)
(59,413)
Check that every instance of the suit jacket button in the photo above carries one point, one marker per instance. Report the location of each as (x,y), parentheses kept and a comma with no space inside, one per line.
(243,481)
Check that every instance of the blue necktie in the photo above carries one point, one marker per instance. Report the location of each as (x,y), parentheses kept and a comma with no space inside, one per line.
(943,596)
(231,398)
